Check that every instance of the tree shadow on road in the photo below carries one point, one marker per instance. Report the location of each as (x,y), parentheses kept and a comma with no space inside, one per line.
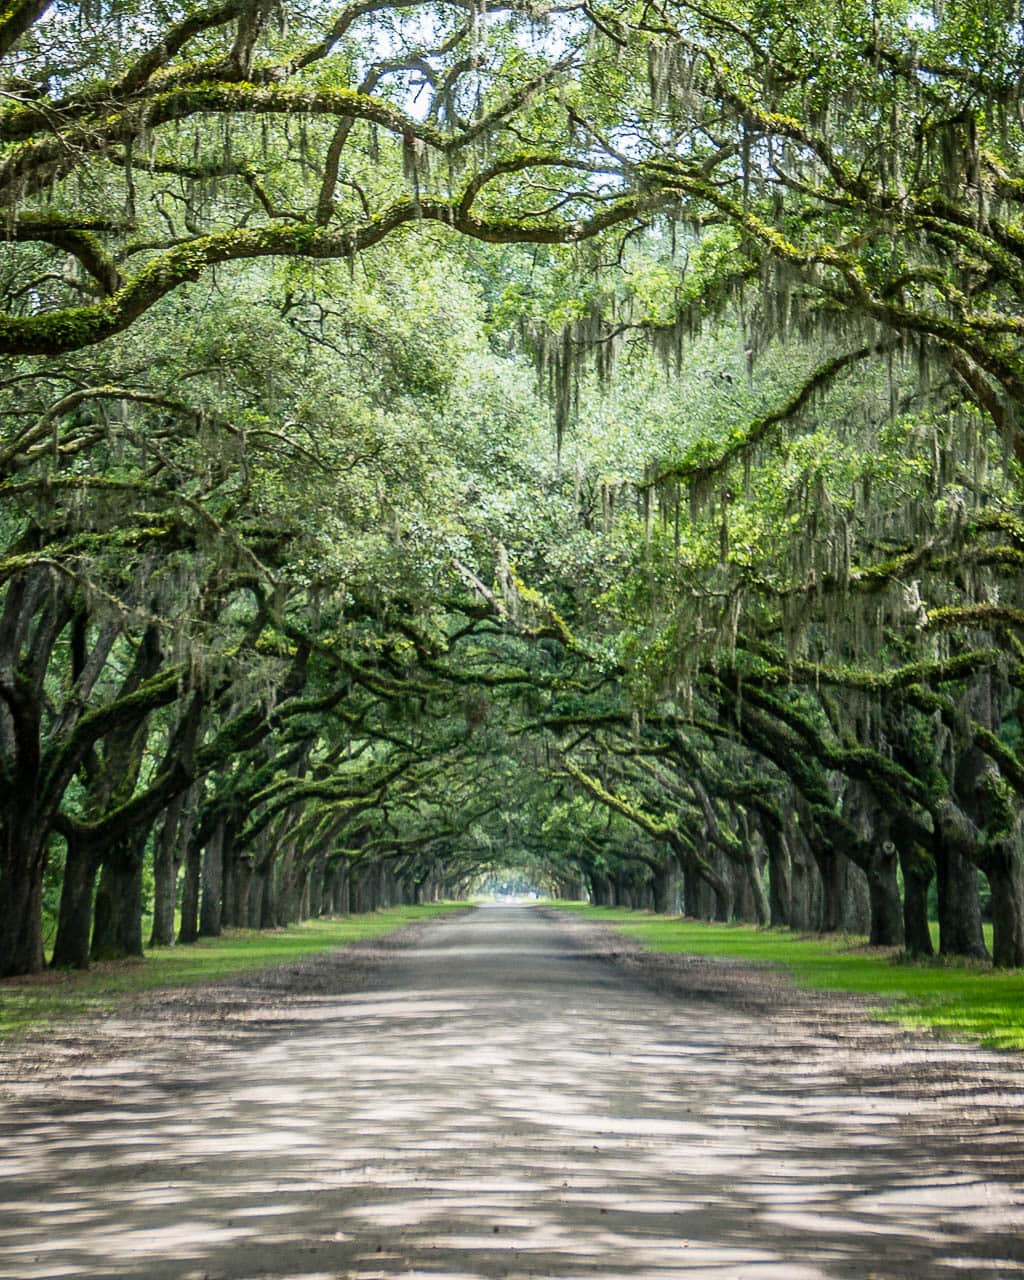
(527,1111)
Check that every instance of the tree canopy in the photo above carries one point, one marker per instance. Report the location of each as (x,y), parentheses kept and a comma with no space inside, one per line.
(578,443)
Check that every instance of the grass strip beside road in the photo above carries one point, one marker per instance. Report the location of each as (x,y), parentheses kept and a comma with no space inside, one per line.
(964,999)
(55,996)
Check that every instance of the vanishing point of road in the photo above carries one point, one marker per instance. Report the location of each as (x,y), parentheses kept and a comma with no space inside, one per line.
(495,1096)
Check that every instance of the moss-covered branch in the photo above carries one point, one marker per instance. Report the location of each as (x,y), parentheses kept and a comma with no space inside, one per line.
(72,329)
(707,458)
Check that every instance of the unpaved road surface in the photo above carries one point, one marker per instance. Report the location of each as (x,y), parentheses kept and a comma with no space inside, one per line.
(496,1095)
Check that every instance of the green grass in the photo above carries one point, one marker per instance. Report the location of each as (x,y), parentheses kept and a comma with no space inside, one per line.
(55,996)
(962,999)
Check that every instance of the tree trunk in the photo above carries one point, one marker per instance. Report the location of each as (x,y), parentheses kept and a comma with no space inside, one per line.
(855,900)
(26,817)
(832,886)
(290,886)
(338,879)
(166,864)
(267,893)
(188,929)
(24,857)
(74,923)
(805,883)
(960,928)
(917,934)
(344,903)
(666,886)
(780,878)
(758,895)
(317,886)
(355,890)
(744,905)
(245,881)
(230,889)
(918,870)
(117,925)
(600,889)
(211,902)
(884,897)
(1006,876)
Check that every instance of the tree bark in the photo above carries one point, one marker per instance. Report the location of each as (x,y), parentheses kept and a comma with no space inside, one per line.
(230,888)
(780,878)
(1006,876)
(884,897)
(166,865)
(959,907)
(188,929)
(117,923)
(74,921)
(666,886)
(918,870)
(210,904)
(758,893)
(21,902)
(267,917)
(832,885)
(600,889)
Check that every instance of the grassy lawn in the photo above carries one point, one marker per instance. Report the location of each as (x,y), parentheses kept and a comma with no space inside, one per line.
(54,996)
(965,999)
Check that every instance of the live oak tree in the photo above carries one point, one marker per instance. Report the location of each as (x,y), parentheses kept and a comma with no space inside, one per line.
(302,600)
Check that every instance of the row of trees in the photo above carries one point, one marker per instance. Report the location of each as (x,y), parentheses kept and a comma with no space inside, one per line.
(305,607)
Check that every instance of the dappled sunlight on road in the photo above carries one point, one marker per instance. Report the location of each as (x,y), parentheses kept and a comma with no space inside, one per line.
(509,1106)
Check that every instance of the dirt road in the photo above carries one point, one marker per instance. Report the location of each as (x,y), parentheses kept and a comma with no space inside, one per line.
(495,1098)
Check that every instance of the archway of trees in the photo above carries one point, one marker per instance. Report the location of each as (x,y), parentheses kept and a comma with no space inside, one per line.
(437,439)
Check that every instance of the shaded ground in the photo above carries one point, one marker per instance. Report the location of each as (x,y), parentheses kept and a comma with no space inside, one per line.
(506,1093)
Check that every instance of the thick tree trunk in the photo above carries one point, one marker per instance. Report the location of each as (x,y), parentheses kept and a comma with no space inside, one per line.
(600,889)
(855,916)
(917,934)
(720,888)
(743,901)
(758,894)
(291,887)
(806,882)
(211,901)
(188,929)
(339,889)
(74,922)
(166,865)
(692,885)
(267,892)
(780,878)
(230,890)
(959,908)
(243,886)
(884,897)
(117,923)
(723,903)
(21,903)
(716,884)
(666,886)
(32,616)
(362,891)
(918,870)
(1006,876)
(345,894)
(833,884)
(316,887)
